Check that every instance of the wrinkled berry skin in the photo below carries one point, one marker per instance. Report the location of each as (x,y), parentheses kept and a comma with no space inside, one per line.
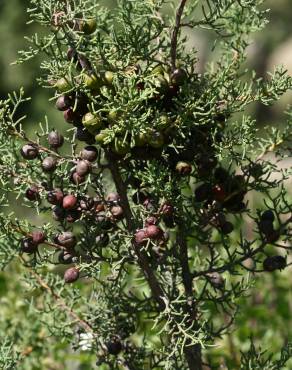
(29,151)
(55,139)
(71,275)
(273,263)
(77,179)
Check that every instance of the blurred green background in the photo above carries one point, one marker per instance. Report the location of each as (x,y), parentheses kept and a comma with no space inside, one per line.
(267,313)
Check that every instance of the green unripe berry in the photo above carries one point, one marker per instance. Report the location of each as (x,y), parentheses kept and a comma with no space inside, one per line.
(92,81)
(102,136)
(121,146)
(92,123)
(109,77)
(62,85)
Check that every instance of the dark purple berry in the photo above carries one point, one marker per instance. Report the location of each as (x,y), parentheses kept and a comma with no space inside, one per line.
(203,192)
(83,168)
(89,153)
(266,227)
(32,193)
(114,346)
(273,263)
(227,228)
(49,164)
(71,116)
(29,151)
(82,134)
(77,179)
(55,196)
(73,215)
(55,139)
(178,76)
(268,215)
(63,103)
(58,213)
(28,246)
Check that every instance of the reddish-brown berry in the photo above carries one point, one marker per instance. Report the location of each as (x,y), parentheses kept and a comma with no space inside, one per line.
(38,236)
(70,201)
(71,275)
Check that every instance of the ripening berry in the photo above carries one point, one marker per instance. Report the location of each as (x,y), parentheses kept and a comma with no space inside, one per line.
(155,139)
(72,54)
(167,209)
(55,196)
(89,153)
(83,168)
(28,246)
(154,232)
(38,237)
(69,201)
(55,139)
(71,275)
(49,164)
(114,346)
(32,193)
(77,179)
(140,237)
(87,26)
(117,212)
(63,103)
(67,239)
(29,151)
(183,168)
(151,220)
(112,197)
(273,263)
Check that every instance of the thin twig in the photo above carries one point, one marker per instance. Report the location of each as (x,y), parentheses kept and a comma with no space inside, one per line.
(175,33)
